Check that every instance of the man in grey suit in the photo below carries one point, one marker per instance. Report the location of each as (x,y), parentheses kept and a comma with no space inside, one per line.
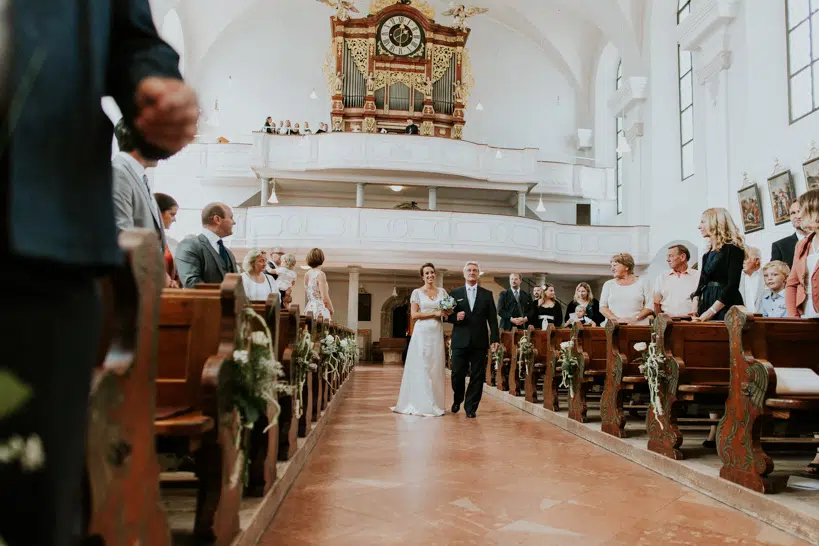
(134,205)
(204,258)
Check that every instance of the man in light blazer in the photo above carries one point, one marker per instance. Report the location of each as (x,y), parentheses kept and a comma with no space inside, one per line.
(134,204)
(204,258)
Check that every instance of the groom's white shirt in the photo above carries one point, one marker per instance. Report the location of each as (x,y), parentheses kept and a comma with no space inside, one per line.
(471,294)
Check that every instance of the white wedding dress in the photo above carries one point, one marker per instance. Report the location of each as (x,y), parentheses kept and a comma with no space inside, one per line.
(424,382)
(315,304)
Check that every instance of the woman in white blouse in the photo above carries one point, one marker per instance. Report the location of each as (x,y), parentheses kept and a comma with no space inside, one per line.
(626,298)
(257,285)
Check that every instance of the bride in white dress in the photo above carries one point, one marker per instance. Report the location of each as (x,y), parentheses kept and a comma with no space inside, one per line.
(424,382)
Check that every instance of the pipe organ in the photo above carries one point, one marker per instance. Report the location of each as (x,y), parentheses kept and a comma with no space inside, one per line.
(398,64)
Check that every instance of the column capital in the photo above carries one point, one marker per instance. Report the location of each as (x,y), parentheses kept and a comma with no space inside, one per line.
(354,268)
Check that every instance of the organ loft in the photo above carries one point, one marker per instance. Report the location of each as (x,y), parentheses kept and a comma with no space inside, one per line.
(397,64)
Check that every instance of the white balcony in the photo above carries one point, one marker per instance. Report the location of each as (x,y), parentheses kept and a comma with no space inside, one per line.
(378,238)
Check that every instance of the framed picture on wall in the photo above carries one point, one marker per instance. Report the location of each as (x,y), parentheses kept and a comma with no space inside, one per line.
(782,192)
(811,170)
(751,207)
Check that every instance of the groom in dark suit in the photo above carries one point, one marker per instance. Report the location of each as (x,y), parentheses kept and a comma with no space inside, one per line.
(473,315)
(205,258)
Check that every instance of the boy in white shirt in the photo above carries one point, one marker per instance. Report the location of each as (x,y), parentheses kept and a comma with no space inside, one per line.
(773,303)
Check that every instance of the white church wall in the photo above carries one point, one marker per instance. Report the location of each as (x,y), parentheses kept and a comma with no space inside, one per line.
(283,45)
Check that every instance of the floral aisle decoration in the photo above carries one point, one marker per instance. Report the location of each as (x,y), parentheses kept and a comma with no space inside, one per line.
(653,370)
(497,356)
(256,385)
(568,364)
(349,353)
(526,355)
(330,356)
(305,359)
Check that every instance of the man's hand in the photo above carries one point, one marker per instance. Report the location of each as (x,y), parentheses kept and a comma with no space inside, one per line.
(461,315)
(168,111)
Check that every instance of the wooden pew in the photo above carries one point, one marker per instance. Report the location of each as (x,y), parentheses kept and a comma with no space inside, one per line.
(197,334)
(622,373)
(318,377)
(758,347)
(507,339)
(590,350)
(697,370)
(120,455)
(289,418)
(308,392)
(551,375)
(517,375)
(541,340)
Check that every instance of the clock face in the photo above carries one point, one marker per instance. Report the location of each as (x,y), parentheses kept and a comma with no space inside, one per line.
(401,35)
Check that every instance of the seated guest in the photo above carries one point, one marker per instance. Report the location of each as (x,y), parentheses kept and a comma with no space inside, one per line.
(773,303)
(626,298)
(322,128)
(269,126)
(673,289)
(257,285)
(168,208)
(514,305)
(306,129)
(411,129)
(783,249)
(274,262)
(279,128)
(579,315)
(583,296)
(718,289)
(752,285)
(287,129)
(296,129)
(802,287)
(205,258)
(547,309)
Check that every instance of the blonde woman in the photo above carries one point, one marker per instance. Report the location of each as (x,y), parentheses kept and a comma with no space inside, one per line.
(802,288)
(626,298)
(257,285)
(718,289)
(286,273)
(317,291)
(584,296)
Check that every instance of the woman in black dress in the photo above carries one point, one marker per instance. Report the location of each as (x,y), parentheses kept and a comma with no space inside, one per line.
(718,289)
(547,308)
(583,296)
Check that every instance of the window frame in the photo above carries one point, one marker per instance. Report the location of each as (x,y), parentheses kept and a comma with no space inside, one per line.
(683,11)
(619,129)
(811,66)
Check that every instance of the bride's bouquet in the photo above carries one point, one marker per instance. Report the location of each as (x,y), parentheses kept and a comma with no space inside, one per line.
(447,304)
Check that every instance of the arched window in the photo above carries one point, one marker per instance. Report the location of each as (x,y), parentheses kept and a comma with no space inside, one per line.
(621,133)
(686,84)
(803,57)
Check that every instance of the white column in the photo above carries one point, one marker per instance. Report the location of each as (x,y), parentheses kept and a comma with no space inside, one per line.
(541,279)
(522,203)
(359,195)
(352,299)
(439,278)
(265,191)
(433,198)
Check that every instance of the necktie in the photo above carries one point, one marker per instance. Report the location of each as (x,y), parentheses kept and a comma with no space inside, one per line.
(223,253)
(145,179)
(517,300)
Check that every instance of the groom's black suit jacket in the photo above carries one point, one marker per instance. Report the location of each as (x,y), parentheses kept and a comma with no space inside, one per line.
(472,331)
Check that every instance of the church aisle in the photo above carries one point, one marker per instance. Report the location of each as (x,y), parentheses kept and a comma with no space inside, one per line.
(376,477)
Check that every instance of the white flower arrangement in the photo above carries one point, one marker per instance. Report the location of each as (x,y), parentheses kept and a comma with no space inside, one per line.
(349,352)
(497,356)
(304,359)
(526,355)
(654,372)
(447,303)
(28,452)
(568,364)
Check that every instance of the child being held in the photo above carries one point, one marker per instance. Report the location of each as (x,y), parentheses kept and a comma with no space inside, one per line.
(579,315)
(773,303)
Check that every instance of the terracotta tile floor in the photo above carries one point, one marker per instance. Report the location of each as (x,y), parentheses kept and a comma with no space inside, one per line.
(376,477)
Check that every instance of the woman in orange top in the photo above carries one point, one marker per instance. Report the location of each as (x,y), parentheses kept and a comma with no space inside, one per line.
(168,207)
(802,288)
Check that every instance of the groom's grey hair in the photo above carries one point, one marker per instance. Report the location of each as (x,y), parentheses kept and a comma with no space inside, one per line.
(476,264)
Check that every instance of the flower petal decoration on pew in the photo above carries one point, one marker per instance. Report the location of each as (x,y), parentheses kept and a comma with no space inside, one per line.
(497,354)
(526,355)
(568,364)
(305,359)
(255,382)
(653,370)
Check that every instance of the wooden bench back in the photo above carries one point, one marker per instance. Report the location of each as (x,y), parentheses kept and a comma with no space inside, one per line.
(700,349)
(193,324)
(592,341)
(624,337)
(784,342)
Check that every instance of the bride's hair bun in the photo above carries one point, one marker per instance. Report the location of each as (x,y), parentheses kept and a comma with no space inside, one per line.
(426,265)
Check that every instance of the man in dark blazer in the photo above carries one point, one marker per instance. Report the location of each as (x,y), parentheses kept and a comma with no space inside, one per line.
(57,60)
(475,322)
(514,305)
(411,129)
(783,249)
(205,258)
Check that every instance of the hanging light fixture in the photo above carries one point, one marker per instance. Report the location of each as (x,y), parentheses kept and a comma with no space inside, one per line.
(213,119)
(498,155)
(540,207)
(396,188)
(479,107)
(622,145)
(313,94)
(394,292)
(273,200)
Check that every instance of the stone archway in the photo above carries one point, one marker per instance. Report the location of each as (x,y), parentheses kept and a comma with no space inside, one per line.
(389,306)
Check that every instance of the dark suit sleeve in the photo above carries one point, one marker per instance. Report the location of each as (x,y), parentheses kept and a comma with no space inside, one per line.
(493,320)
(734,258)
(136,52)
(502,307)
(776,252)
(558,314)
(453,318)
(188,264)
